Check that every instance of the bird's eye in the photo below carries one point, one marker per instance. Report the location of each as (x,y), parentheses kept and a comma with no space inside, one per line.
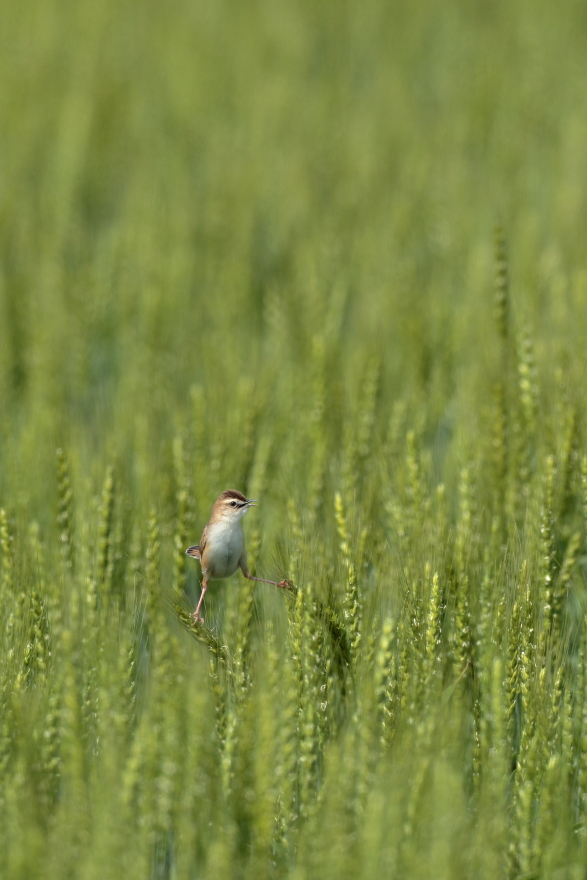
(233,503)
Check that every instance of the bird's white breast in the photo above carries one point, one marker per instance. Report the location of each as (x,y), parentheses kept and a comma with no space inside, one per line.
(225,544)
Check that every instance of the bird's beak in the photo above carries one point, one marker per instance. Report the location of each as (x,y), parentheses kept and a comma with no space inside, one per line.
(251,503)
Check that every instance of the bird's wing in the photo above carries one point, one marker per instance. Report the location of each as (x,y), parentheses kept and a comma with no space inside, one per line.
(203,541)
(197,551)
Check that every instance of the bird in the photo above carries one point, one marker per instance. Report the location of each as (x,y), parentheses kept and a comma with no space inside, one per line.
(221,550)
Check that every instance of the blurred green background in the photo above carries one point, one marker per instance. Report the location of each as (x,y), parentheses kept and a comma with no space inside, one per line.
(251,245)
(192,194)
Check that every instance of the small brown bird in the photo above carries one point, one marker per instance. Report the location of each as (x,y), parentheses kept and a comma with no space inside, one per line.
(222,546)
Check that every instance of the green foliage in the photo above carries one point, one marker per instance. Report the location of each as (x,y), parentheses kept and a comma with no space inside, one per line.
(331,255)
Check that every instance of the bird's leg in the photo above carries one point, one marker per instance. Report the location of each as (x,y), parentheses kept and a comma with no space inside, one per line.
(248,575)
(196,614)
(245,570)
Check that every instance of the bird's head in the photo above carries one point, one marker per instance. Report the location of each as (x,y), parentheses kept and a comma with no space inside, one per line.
(231,506)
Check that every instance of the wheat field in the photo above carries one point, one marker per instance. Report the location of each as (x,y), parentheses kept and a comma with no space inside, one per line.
(332,255)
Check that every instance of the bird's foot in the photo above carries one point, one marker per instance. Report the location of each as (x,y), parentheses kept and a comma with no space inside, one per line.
(285,584)
(197,618)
